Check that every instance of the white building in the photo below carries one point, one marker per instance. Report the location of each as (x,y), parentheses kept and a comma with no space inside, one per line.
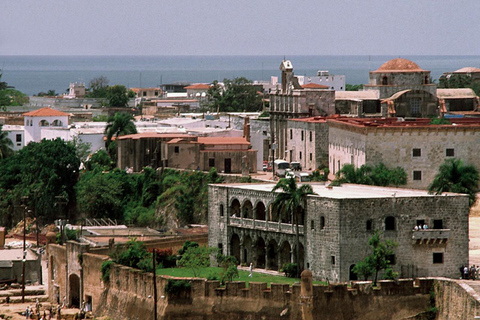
(334,82)
(36,121)
(16,135)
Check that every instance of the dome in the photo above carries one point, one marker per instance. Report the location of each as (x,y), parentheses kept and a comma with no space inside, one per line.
(399,65)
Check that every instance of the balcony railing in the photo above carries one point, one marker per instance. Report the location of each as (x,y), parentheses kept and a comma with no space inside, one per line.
(265,225)
(429,236)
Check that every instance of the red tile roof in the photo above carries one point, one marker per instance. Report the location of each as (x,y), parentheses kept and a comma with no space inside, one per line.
(394,123)
(399,65)
(312,85)
(46,112)
(198,86)
(223,140)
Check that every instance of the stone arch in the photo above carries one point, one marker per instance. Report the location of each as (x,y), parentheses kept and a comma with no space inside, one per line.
(261,251)
(247,209)
(273,214)
(43,123)
(353,276)
(235,208)
(235,246)
(272,255)
(57,123)
(74,291)
(260,211)
(247,249)
(285,253)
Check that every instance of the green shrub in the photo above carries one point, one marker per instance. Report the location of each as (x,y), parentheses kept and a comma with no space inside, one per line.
(106,267)
(177,287)
(390,274)
(290,270)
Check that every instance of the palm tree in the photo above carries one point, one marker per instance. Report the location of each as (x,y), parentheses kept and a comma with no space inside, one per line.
(118,125)
(290,202)
(5,144)
(454,176)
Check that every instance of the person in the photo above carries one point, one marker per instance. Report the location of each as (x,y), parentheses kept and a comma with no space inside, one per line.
(27,313)
(419,227)
(461,271)
(416,228)
(472,272)
(251,270)
(59,311)
(465,273)
(425,227)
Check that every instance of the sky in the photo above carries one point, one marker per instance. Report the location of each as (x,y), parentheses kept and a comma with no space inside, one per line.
(239,27)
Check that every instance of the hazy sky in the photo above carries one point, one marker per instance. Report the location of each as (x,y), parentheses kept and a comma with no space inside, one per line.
(239,27)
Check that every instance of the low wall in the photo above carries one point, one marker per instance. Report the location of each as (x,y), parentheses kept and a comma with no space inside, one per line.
(129,295)
(455,300)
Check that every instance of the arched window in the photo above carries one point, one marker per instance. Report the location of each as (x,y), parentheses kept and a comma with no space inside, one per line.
(57,123)
(390,223)
(44,123)
(427,80)
(384,81)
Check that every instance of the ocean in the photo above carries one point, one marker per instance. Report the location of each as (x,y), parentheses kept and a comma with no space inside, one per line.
(33,74)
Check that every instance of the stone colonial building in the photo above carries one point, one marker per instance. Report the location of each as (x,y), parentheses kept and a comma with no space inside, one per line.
(336,225)
(417,146)
(294,101)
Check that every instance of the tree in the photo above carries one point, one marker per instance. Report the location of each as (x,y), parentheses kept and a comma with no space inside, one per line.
(239,95)
(290,202)
(42,171)
(196,258)
(134,255)
(459,81)
(379,259)
(118,96)
(12,97)
(118,125)
(49,93)
(454,176)
(98,87)
(5,144)
(353,87)
(378,175)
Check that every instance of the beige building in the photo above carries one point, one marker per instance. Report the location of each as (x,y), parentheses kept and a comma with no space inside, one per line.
(226,154)
(147,93)
(416,146)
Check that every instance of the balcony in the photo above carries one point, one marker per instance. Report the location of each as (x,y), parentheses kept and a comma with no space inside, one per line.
(265,225)
(430,236)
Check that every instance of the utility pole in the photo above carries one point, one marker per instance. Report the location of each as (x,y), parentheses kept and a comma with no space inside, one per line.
(25,209)
(154,286)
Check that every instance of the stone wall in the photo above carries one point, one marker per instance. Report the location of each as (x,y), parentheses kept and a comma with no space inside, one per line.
(307,143)
(455,300)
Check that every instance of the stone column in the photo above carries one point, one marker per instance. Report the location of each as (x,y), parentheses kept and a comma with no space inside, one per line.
(306,295)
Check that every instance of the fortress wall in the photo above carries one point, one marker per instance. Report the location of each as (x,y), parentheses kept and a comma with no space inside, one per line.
(455,300)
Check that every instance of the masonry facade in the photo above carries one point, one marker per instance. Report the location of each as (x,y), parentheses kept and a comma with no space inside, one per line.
(416,146)
(336,225)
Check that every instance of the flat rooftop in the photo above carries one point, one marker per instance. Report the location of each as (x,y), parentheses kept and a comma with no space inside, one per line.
(400,122)
(348,191)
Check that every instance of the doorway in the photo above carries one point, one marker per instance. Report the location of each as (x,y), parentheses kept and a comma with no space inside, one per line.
(228,165)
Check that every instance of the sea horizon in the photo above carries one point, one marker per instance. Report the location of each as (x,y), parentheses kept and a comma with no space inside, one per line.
(32,74)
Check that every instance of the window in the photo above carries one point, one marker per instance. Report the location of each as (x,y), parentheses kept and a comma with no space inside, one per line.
(300,155)
(311,157)
(156,93)
(302,135)
(391,258)
(438,224)
(220,246)
(312,224)
(333,260)
(420,222)
(450,152)
(144,93)
(438,257)
(322,222)
(211,162)
(416,152)
(415,107)
(369,225)
(177,149)
(18,138)
(384,81)
(310,136)
(291,134)
(390,223)
(417,175)
(221,210)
